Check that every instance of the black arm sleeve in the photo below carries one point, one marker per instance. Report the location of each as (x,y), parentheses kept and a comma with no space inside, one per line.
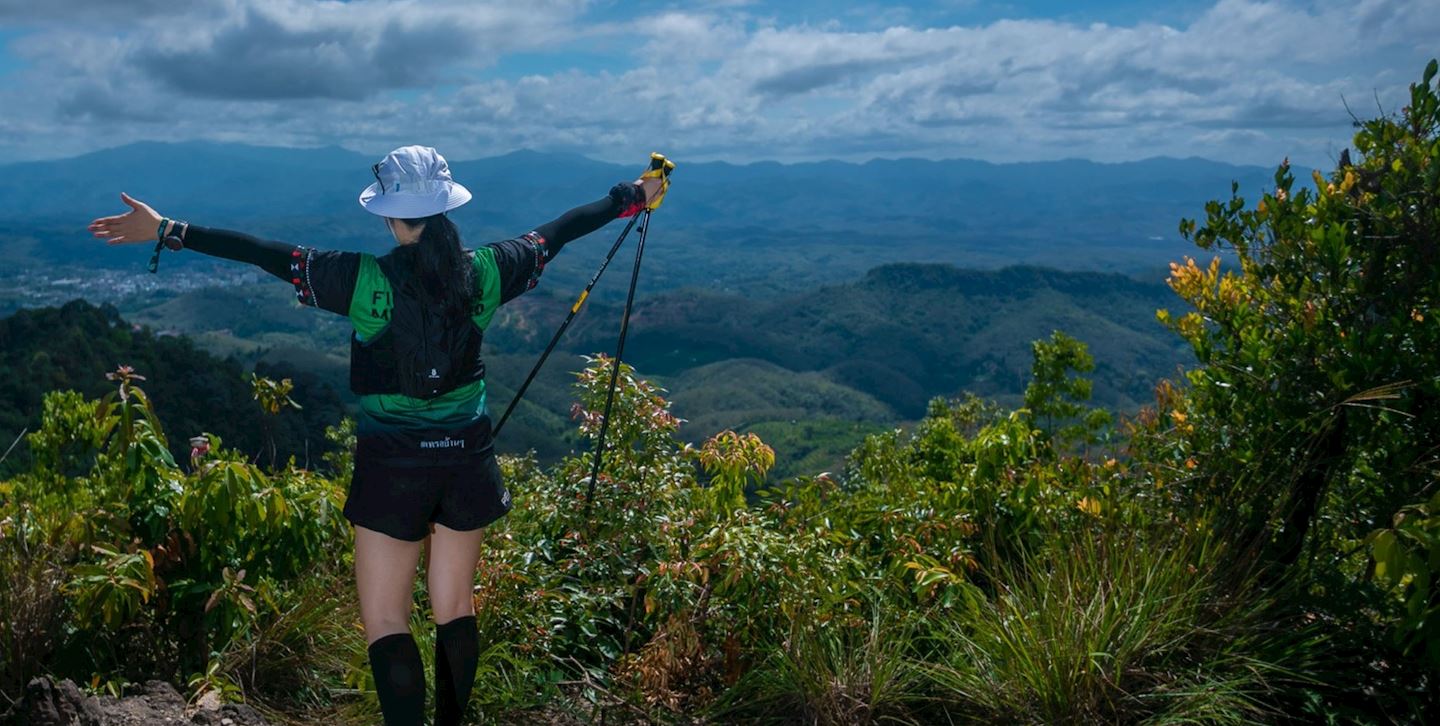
(272,257)
(322,279)
(521,260)
(587,218)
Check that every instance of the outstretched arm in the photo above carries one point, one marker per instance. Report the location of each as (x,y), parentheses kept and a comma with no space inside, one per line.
(321,279)
(520,261)
(270,256)
(587,218)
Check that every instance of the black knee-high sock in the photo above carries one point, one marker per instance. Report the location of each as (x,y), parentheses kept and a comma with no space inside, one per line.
(457,647)
(399,679)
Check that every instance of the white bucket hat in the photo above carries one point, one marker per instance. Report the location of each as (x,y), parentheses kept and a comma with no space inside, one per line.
(412,182)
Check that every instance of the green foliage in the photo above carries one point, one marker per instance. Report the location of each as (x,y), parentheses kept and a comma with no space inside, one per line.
(731,460)
(303,644)
(1057,398)
(32,574)
(188,561)
(113,590)
(849,670)
(821,599)
(1407,564)
(1312,419)
(972,485)
(273,395)
(663,586)
(583,564)
(1314,383)
(69,428)
(341,459)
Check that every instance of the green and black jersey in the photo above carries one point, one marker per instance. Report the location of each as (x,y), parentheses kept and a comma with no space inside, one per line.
(352,284)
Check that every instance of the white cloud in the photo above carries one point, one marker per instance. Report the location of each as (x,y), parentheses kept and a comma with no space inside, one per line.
(1247,80)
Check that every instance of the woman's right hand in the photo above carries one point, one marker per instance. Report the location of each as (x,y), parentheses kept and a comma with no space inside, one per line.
(137,225)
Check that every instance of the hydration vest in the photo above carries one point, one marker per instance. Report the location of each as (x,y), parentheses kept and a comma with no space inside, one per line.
(419,353)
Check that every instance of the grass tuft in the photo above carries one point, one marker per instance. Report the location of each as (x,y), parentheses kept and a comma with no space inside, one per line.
(848,669)
(1105,627)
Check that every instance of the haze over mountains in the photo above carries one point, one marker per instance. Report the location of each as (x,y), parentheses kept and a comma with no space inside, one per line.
(749,228)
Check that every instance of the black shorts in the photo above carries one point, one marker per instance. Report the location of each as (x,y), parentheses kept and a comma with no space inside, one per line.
(402,500)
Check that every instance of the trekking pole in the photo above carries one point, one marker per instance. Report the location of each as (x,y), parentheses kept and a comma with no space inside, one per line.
(661,167)
(574,309)
(615,370)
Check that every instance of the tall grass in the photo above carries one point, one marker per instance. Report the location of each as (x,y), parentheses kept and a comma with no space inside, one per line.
(1117,628)
(32,609)
(846,669)
(295,663)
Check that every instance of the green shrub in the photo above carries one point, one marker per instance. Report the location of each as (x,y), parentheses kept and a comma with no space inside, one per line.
(298,653)
(163,566)
(1312,418)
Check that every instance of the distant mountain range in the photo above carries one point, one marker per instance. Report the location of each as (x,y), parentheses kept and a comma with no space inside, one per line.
(755,228)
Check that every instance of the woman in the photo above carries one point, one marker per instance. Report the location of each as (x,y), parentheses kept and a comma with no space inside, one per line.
(424,463)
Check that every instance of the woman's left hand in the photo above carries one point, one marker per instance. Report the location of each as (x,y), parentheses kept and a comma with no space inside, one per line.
(650,188)
(137,225)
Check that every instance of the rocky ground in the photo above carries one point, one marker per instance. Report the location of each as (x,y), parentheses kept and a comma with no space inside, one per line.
(157,703)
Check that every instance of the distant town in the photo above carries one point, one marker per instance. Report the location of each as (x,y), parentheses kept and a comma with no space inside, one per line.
(46,286)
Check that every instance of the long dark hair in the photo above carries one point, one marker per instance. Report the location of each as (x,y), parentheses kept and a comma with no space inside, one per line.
(441,266)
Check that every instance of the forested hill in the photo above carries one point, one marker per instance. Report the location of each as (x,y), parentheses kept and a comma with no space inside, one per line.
(74,346)
(906,333)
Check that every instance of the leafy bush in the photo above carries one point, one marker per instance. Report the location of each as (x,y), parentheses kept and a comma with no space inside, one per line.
(1314,395)
(32,570)
(1313,417)
(659,584)
(163,566)
(1407,565)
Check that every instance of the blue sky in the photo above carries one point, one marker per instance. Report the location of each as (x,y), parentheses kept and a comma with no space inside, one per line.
(1247,81)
